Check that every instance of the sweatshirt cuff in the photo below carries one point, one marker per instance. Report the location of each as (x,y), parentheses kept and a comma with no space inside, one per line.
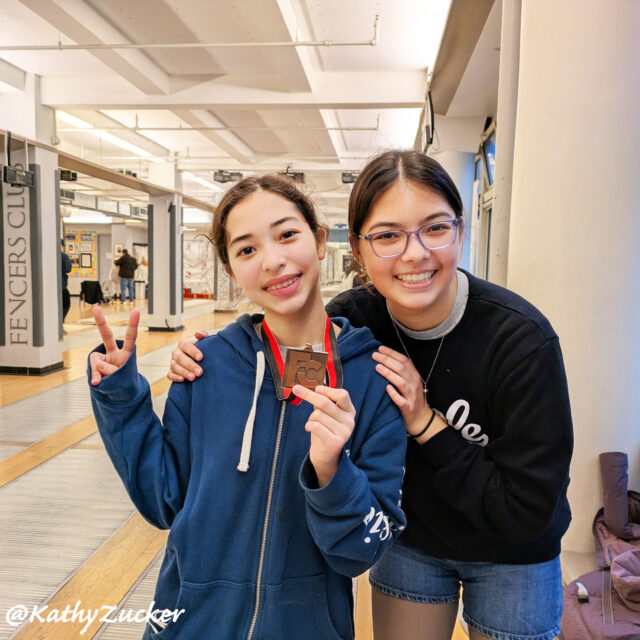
(123,385)
(343,487)
(445,445)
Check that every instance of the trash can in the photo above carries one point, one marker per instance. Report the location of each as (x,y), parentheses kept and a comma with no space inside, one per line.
(140,286)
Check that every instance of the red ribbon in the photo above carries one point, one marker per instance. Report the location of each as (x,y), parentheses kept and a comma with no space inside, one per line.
(271,346)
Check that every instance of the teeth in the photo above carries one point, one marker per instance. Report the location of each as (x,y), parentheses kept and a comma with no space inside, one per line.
(415,277)
(282,285)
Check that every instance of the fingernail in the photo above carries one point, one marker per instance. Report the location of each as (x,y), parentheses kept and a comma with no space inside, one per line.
(199,356)
(192,377)
(198,371)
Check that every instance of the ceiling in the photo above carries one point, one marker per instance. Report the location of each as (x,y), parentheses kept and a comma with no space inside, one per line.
(321,110)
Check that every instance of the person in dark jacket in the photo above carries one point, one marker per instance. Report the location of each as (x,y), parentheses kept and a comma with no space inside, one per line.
(478,374)
(276,495)
(128,265)
(65,268)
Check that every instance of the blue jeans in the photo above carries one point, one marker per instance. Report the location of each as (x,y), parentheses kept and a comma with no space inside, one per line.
(126,283)
(502,601)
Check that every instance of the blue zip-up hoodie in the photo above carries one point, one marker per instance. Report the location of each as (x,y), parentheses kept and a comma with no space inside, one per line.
(261,553)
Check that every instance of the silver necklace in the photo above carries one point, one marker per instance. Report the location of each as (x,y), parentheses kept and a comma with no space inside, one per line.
(433,364)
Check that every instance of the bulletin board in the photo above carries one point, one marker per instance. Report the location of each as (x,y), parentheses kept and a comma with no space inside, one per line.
(82,249)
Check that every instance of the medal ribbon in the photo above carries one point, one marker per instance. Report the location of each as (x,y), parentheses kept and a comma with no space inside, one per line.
(276,363)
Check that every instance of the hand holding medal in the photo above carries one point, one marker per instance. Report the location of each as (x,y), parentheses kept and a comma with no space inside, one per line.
(330,425)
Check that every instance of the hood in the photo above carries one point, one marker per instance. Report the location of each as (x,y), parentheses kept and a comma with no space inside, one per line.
(242,337)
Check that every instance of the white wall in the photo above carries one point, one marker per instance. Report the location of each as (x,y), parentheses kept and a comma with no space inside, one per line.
(575,220)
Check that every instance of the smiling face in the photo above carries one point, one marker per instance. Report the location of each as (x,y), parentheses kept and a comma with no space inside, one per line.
(419,285)
(274,256)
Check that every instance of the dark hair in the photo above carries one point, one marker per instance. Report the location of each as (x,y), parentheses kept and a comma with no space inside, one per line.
(388,168)
(124,251)
(272,183)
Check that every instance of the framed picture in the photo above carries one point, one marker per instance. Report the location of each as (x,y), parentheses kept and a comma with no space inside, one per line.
(117,250)
(70,247)
(85,261)
(75,261)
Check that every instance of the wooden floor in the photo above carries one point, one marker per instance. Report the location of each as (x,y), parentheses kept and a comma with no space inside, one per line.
(115,567)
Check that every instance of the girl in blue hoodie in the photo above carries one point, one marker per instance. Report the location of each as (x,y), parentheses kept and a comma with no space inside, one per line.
(275,496)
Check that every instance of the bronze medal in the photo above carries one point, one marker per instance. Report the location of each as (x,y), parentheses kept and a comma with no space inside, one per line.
(305,367)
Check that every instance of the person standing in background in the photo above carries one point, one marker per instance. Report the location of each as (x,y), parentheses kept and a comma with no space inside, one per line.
(65,268)
(128,265)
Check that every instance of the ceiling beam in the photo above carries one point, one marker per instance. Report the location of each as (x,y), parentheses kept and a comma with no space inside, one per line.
(81,23)
(101,120)
(332,90)
(68,161)
(465,23)
(12,79)
(294,64)
(225,140)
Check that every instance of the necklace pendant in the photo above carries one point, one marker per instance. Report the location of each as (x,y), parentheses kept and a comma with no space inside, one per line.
(424,391)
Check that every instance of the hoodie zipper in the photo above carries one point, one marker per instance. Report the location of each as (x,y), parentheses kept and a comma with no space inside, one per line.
(265,528)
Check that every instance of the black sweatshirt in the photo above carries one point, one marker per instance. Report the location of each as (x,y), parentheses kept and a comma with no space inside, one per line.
(491,487)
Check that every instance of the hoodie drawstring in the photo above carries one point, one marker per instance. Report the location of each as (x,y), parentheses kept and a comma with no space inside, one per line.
(243,465)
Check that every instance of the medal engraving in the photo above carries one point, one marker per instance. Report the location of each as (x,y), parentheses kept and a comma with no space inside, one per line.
(305,367)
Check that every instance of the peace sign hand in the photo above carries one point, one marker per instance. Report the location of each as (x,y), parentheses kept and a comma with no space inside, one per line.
(104,364)
(330,425)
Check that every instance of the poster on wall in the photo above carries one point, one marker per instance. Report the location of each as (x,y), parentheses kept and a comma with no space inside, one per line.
(82,249)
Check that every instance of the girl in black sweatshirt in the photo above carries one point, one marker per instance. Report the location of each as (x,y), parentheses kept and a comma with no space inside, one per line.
(478,374)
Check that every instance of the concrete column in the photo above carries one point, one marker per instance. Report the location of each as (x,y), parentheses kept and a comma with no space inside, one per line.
(459,165)
(506,124)
(575,221)
(30,271)
(165,263)
(23,114)
(164,174)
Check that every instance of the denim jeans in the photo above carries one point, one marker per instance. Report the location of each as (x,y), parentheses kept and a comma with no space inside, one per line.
(126,283)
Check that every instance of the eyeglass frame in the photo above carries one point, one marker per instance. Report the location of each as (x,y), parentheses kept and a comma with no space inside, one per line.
(369,238)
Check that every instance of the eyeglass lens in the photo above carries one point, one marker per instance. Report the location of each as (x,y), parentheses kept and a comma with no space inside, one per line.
(394,242)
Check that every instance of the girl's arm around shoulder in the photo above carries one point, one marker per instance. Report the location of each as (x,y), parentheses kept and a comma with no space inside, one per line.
(357,515)
(151,458)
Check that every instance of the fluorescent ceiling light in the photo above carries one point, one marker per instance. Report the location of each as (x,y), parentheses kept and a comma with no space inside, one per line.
(104,135)
(202,181)
(86,216)
(191,215)
(123,144)
(76,122)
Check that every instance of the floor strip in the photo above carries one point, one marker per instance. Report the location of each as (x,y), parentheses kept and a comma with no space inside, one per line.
(40,452)
(104,580)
